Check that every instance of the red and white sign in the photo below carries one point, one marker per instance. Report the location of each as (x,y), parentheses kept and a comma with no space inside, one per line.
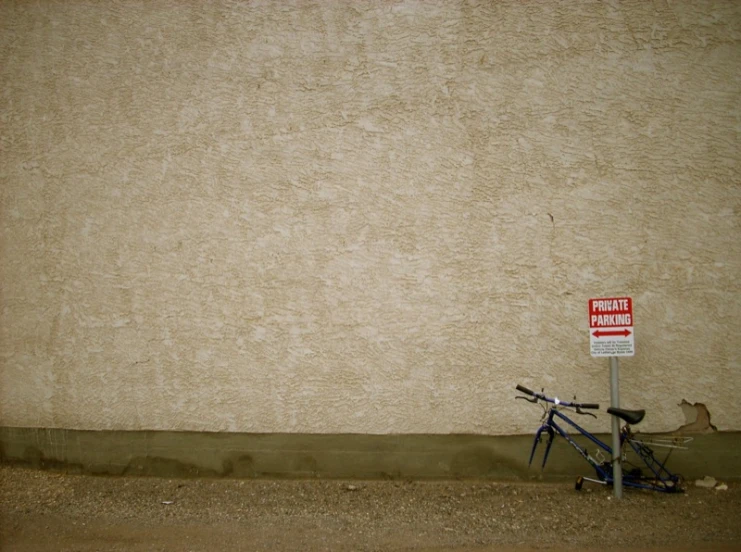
(611,327)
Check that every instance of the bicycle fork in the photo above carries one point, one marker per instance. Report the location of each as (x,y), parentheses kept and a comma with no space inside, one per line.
(536,441)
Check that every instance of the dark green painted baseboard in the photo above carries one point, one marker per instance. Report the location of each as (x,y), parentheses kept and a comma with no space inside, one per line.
(241,455)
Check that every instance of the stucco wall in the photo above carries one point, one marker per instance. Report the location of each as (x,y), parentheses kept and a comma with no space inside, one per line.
(364,217)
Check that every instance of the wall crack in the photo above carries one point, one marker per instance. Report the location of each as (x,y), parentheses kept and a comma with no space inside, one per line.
(697,417)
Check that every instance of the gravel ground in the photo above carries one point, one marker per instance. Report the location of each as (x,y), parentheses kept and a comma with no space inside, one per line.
(52,511)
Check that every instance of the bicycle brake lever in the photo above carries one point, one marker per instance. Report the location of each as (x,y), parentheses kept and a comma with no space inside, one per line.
(533,400)
(580,411)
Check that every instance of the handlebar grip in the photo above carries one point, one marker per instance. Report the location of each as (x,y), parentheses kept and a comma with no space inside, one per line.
(524,390)
(595,406)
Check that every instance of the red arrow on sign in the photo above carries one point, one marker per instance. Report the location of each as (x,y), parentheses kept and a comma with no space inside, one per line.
(599,333)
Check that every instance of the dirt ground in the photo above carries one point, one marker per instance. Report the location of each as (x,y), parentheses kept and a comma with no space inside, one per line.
(52,511)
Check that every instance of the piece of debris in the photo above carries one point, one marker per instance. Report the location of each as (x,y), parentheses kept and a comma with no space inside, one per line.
(352,488)
(168,502)
(706,482)
(721,487)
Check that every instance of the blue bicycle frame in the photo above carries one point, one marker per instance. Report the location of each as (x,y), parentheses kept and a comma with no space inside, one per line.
(551,427)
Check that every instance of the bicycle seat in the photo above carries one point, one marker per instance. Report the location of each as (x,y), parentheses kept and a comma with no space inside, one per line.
(630,416)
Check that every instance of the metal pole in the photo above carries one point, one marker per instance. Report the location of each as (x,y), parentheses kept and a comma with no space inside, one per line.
(617,468)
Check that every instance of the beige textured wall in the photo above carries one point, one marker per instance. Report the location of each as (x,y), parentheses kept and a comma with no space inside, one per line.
(369,217)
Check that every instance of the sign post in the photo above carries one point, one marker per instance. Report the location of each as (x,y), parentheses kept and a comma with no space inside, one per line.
(617,461)
(611,335)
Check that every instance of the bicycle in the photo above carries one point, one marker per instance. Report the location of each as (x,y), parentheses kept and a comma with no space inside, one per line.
(657,476)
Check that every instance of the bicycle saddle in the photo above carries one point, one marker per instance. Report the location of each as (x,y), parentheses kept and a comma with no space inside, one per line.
(630,416)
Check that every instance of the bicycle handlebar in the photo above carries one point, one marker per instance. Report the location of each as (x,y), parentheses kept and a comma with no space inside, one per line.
(556,401)
(524,390)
